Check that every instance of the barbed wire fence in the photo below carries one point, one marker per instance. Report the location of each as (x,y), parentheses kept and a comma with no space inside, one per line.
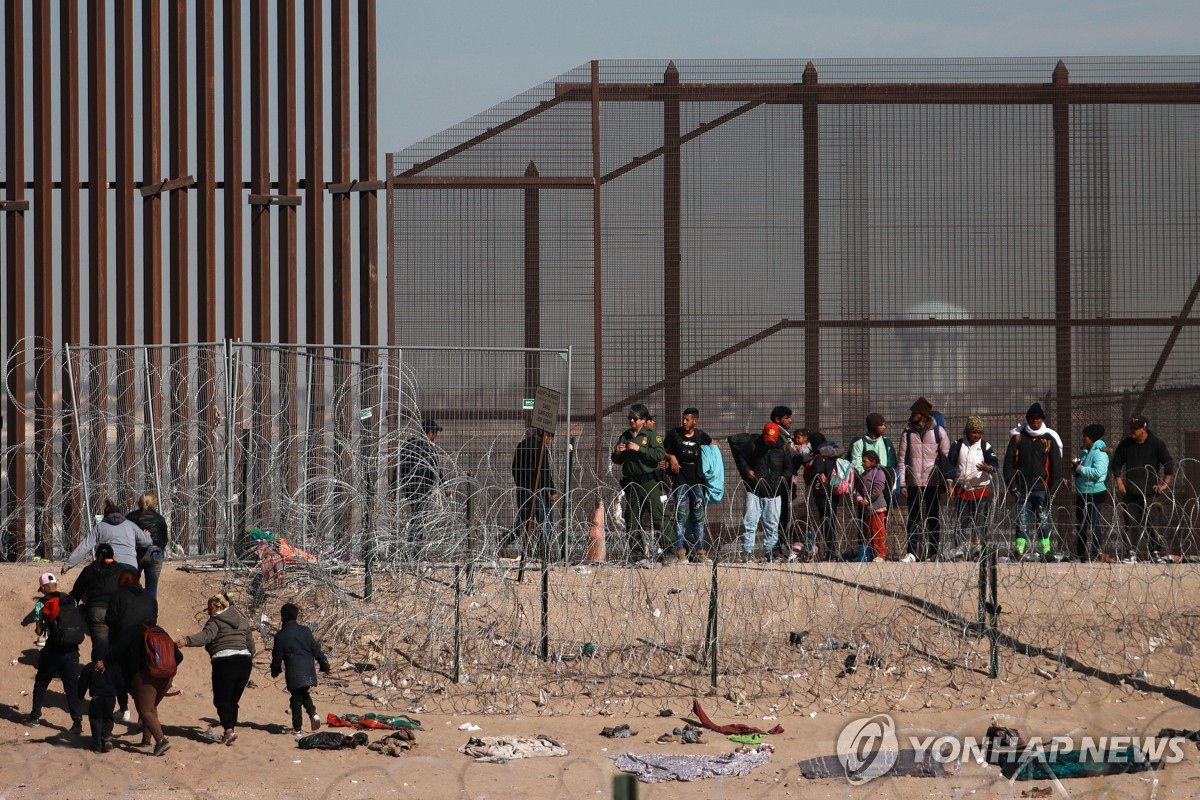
(305,443)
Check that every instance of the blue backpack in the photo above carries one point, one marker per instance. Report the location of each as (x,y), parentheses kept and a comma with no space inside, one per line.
(712,469)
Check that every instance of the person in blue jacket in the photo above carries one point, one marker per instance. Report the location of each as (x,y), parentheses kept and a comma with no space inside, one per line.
(1091,491)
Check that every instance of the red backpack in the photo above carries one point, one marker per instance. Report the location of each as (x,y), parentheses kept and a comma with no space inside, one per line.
(162,657)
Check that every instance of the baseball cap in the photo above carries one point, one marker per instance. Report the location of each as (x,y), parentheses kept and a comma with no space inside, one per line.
(47,579)
(1138,422)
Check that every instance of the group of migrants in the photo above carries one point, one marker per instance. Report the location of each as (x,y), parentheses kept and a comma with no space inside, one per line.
(131,656)
(662,479)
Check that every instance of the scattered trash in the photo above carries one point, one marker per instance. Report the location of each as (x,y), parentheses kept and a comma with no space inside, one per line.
(1038,791)
(797,637)
(791,676)
(467,726)
(666,712)
(588,649)
(1043,673)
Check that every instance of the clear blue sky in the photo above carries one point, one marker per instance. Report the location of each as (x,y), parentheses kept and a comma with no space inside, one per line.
(440,63)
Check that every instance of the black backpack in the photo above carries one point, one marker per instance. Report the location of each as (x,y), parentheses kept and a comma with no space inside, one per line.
(68,627)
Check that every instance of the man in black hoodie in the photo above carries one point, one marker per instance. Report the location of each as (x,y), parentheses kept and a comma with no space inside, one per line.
(1144,468)
(1032,470)
(764,468)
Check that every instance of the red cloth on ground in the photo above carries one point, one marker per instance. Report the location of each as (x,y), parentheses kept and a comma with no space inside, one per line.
(728,729)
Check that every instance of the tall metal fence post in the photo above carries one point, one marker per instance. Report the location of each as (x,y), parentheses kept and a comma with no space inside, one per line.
(710,631)
(455,671)
(545,642)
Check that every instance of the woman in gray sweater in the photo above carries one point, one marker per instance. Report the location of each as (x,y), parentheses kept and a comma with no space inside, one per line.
(229,640)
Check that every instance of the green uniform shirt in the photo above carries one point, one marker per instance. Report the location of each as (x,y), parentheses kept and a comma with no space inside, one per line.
(640,465)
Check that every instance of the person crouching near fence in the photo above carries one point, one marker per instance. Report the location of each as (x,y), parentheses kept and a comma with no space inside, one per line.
(871,494)
(969,469)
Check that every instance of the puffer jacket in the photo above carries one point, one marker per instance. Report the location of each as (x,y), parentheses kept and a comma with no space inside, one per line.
(919,454)
(1091,473)
(226,630)
(295,652)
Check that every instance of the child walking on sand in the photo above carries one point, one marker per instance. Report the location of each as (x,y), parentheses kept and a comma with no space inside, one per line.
(294,654)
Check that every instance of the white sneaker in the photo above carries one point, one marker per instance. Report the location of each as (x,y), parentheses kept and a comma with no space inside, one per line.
(909,558)
(125,716)
(793,558)
(1130,559)
(316,721)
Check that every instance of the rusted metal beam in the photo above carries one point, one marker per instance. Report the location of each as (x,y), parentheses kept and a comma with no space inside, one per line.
(1184,318)
(355,186)
(69,214)
(206,198)
(45,303)
(14,271)
(597,278)
(500,182)
(126,250)
(532,283)
(260,175)
(524,116)
(232,82)
(368,166)
(672,200)
(314,169)
(285,105)
(178,384)
(892,93)
(98,185)
(343,295)
(151,124)
(1063,355)
(694,133)
(172,184)
(810,126)
(14,205)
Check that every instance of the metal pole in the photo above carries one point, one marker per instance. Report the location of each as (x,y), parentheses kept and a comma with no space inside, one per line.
(83,465)
(150,422)
(569,463)
(545,644)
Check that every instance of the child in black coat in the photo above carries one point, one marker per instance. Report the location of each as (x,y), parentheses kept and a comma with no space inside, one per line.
(102,684)
(294,654)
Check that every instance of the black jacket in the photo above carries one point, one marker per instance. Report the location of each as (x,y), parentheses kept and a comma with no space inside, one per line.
(1144,464)
(525,465)
(97,582)
(128,608)
(152,523)
(295,651)
(100,684)
(771,465)
(1032,463)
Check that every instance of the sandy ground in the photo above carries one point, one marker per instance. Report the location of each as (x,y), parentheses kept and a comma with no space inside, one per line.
(265,762)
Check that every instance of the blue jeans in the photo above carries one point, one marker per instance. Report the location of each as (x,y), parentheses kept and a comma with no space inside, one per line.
(689,517)
(1033,507)
(765,509)
(150,565)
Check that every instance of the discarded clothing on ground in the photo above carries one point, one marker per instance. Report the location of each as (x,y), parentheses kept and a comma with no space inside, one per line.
(619,732)
(373,721)
(906,766)
(395,744)
(1005,748)
(500,749)
(687,735)
(659,768)
(712,726)
(331,740)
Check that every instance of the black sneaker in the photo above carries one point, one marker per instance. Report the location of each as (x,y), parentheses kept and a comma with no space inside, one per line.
(77,725)
(33,720)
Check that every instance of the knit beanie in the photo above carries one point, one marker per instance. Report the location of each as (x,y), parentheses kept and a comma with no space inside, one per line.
(1035,412)
(974,424)
(922,407)
(874,421)
(1094,431)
